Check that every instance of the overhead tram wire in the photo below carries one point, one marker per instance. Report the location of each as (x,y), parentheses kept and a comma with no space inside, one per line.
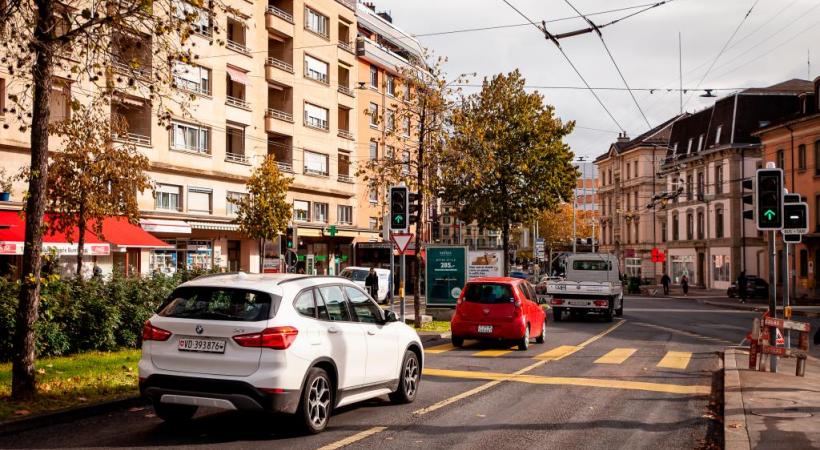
(612,58)
(722,50)
(550,37)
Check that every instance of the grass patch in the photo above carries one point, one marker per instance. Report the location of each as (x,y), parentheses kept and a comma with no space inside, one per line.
(439,326)
(67,381)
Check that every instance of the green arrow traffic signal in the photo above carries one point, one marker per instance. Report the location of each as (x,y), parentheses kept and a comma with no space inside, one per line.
(769,214)
(398,219)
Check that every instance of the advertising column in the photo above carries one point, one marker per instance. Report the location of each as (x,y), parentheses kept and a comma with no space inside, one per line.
(446,274)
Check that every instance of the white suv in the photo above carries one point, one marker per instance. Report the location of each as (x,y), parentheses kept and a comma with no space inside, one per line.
(292,344)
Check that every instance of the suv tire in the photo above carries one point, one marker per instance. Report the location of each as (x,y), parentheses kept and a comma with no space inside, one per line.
(409,377)
(174,413)
(316,403)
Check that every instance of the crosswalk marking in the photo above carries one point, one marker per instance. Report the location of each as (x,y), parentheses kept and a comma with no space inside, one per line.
(616,356)
(439,348)
(492,353)
(675,360)
(559,352)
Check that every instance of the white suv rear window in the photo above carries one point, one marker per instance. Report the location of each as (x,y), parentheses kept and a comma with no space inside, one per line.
(210,303)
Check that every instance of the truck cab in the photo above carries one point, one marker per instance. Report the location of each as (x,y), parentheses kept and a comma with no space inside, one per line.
(592,286)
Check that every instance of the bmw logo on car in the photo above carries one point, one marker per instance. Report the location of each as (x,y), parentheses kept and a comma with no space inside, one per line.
(199,329)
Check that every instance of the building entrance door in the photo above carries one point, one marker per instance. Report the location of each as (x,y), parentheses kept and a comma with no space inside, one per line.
(702,269)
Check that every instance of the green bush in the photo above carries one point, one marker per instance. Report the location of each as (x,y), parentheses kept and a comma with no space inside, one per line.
(82,315)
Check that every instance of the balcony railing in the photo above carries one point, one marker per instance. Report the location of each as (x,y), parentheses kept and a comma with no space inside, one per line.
(345,134)
(345,178)
(287,67)
(346,46)
(282,14)
(277,114)
(320,77)
(237,47)
(314,122)
(236,158)
(285,166)
(237,102)
(351,4)
(136,138)
(321,173)
(142,71)
(346,91)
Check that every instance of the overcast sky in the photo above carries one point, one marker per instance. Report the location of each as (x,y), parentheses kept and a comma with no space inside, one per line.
(771,46)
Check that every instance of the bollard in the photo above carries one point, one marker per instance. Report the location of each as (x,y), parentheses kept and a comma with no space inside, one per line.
(801,367)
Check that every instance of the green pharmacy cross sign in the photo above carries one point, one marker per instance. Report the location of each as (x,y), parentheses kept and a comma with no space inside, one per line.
(331,230)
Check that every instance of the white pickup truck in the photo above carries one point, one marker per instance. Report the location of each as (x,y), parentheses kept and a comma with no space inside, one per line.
(592,285)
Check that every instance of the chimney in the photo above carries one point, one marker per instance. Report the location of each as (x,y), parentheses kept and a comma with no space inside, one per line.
(386,16)
(622,137)
(370,5)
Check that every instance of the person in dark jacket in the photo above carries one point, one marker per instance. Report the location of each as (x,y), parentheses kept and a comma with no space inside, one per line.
(742,287)
(372,283)
(665,280)
(684,284)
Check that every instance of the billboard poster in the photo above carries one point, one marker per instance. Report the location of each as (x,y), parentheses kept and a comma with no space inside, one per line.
(446,274)
(484,263)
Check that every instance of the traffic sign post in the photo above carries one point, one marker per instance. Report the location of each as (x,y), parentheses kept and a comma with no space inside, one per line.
(401,241)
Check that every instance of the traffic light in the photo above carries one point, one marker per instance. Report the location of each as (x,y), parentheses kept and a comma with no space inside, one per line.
(399,207)
(414,203)
(795,219)
(748,199)
(769,204)
(288,240)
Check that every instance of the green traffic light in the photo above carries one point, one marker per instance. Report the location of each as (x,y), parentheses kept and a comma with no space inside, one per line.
(769,214)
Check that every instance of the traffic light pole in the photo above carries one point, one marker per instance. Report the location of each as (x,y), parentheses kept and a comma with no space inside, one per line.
(786,287)
(401,289)
(772,297)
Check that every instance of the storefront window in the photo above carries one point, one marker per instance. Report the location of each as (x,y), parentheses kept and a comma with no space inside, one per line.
(633,267)
(188,255)
(721,268)
(683,265)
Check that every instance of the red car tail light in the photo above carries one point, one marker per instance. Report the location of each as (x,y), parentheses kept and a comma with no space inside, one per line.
(556,301)
(600,302)
(277,338)
(152,333)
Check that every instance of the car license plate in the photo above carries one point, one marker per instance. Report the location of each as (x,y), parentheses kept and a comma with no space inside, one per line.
(207,345)
(485,328)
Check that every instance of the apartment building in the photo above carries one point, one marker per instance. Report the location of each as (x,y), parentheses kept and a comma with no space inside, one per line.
(793,144)
(281,85)
(710,152)
(627,184)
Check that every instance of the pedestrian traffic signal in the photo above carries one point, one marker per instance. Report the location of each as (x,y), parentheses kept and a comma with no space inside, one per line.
(399,207)
(769,204)
(414,203)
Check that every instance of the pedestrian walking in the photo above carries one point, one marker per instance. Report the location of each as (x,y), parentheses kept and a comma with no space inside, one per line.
(742,286)
(684,284)
(665,280)
(371,283)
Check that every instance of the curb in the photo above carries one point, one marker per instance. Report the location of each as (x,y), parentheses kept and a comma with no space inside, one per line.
(429,336)
(753,308)
(67,415)
(735,431)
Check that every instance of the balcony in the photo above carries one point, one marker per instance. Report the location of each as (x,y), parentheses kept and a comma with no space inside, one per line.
(279,115)
(237,47)
(135,138)
(347,47)
(375,53)
(279,21)
(279,64)
(345,179)
(285,166)
(346,91)
(237,103)
(279,146)
(346,135)
(141,70)
(236,158)
(350,4)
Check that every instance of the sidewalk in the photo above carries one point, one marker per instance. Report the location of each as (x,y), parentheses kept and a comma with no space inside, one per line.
(765,410)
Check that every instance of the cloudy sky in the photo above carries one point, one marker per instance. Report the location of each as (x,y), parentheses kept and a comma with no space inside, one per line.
(771,46)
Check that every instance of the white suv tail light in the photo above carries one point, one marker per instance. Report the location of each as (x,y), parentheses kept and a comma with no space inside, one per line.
(277,338)
(152,333)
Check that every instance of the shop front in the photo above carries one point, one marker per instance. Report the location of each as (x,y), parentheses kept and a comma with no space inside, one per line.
(323,251)
(682,262)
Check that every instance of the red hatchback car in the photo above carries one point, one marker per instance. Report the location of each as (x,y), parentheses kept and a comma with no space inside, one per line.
(498,308)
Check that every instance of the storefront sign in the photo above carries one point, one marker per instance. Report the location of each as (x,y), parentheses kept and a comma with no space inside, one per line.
(11,248)
(61,248)
(272,265)
(446,274)
(484,263)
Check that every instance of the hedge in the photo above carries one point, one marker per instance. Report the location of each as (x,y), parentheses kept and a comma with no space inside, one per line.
(82,315)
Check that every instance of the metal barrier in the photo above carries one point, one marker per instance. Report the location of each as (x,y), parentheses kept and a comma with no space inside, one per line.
(760,344)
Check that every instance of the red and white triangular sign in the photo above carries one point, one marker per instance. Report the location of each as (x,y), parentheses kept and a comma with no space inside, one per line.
(780,340)
(401,241)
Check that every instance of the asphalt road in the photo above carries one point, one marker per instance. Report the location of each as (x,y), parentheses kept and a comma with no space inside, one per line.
(641,382)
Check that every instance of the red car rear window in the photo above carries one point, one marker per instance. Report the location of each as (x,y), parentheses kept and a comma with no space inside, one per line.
(488,293)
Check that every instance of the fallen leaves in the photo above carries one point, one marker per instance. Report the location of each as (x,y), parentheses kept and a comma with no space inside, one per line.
(22,412)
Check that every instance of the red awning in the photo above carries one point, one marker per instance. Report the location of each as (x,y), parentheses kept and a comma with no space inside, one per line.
(117,231)
(237,75)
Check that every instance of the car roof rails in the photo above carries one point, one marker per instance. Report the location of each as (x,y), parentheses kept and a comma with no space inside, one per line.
(218,274)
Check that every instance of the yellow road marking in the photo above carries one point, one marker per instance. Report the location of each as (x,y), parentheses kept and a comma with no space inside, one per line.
(439,348)
(588,382)
(352,439)
(558,353)
(616,356)
(491,353)
(675,360)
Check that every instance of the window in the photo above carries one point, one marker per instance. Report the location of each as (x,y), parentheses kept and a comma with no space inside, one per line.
(59,102)
(373,195)
(235,143)
(701,226)
(190,138)
(689,187)
(804,263)
(406,160)
(817,158)
(363,307)
(320,212)
(316,69)
(197,18)
(391,86)
(636,169)
(335,303)
(690,225)
(817,214)
(344,165)
(781,159)
(717,134)
(628,169)
(374,151)
(718,222)
(316,22)
(406,126)
(344,215)
(700,142)
(199,200)
(488,293)
(305,305)
(301,210)
(316,116)
(663,231)
(315,163)
(389,152)
(232,199)
(801,157)
(689,146)
(701,185)
(390,124)
(632,267)
(373,112)
(167,197)
(721,265)
(636,200)
(373,223)
(212,303)
(675,227)
(192,78)
(374,77)
(719,179)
